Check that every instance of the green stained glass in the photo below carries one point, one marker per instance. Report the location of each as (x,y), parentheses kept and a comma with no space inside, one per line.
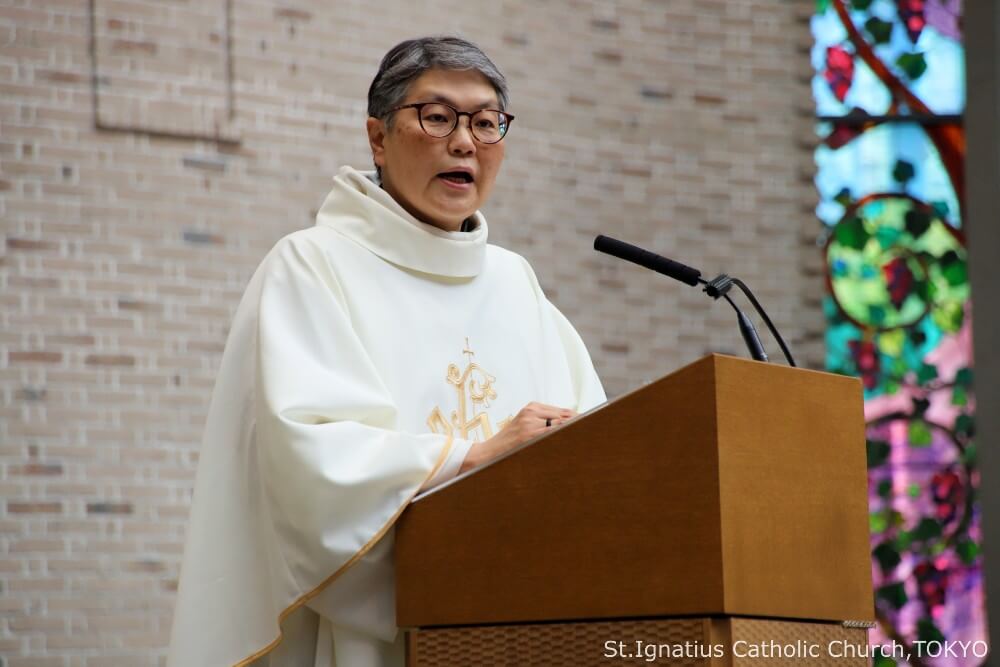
(913,64)
(889,91)
(920,434)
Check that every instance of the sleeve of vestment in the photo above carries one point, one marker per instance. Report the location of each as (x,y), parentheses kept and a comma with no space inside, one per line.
(587,388)
(586,383)
(335,470)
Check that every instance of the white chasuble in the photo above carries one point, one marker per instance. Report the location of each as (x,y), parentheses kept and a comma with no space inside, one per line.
(367,354)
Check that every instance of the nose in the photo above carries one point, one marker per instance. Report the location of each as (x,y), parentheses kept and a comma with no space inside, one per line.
(461,142)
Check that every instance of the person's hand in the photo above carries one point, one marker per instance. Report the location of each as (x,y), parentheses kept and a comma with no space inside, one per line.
(530,422)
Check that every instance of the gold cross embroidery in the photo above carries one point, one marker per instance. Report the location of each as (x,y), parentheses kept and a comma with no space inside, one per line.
(474,389)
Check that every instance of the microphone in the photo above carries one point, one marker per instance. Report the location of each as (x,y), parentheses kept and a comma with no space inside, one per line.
(717,287)
(650,260)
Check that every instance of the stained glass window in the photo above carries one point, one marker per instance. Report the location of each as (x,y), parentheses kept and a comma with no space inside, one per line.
(889,87)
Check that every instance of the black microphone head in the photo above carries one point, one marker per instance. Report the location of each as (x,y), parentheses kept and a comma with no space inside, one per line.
(611,246)
(631,253)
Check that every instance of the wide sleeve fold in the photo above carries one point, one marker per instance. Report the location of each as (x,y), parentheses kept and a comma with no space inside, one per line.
(588,391)
(334,469)
(586,383)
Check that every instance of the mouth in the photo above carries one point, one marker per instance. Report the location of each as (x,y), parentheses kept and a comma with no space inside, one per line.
(459,178)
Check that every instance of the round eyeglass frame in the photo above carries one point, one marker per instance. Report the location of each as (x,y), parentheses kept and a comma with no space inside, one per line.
(458,116)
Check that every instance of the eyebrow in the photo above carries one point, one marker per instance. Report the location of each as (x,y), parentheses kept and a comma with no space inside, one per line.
(490,104)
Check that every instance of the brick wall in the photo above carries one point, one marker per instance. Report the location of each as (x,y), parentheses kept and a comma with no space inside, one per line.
(151,152)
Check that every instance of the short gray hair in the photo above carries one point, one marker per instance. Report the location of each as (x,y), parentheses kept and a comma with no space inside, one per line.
(406,61)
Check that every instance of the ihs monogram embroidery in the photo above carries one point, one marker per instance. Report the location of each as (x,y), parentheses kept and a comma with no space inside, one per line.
(475,388)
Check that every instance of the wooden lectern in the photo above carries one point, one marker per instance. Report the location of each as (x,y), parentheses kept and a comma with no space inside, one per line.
(723,505)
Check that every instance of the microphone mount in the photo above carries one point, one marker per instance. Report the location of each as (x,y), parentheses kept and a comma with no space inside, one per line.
(718,286)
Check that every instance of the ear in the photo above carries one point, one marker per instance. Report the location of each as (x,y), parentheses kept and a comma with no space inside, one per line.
(376,139)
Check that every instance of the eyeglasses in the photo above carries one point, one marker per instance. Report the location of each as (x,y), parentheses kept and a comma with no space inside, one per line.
(439,120)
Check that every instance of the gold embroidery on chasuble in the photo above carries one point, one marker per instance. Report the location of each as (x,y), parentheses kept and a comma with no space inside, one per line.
(473,391)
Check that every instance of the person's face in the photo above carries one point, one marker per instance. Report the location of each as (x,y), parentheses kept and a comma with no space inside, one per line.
(412,161)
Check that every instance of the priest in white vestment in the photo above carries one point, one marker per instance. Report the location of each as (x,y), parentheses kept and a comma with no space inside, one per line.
(374,355)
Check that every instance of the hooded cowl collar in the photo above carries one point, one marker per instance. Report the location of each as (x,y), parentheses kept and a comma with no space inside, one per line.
(362,211)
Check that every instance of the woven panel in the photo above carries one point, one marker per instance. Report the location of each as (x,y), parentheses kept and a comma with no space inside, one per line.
(787,643)
(675,642)
(556,644)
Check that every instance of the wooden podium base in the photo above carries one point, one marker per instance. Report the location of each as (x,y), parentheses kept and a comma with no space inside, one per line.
(691,642)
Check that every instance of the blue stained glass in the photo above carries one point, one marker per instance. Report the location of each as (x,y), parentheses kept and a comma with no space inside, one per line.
(941,88)
(865,165)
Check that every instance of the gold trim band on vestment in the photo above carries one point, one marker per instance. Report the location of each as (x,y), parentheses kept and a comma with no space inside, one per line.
(361,552)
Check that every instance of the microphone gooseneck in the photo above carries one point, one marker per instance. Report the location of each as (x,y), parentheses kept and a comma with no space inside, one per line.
(767,320)
(749,333)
